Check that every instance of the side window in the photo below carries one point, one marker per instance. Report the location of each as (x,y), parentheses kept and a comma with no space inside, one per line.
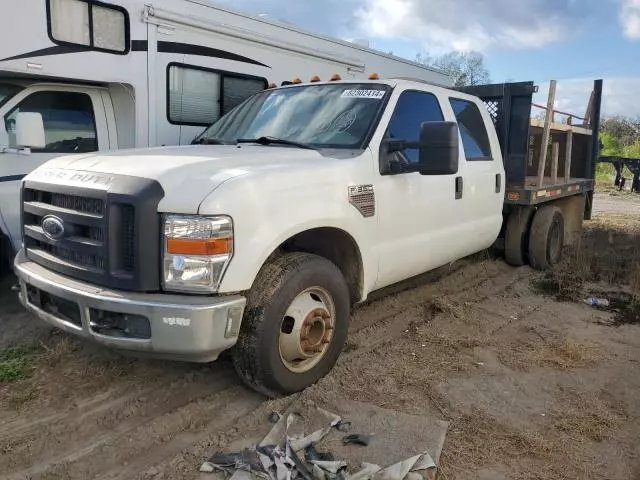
(472,130)
(413,109)
(236,90)
(69,124)
(194,96)
(197,96)
(93,24)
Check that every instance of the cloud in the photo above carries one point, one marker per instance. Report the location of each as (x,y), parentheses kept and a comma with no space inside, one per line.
(619,96)
(329,17)
(438,25)
(474,24)
(630,18)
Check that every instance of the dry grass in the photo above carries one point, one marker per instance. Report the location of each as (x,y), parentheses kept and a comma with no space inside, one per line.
(607,257)
(53,352)
(445,305)
(558,352)
(585,416)
(476,441)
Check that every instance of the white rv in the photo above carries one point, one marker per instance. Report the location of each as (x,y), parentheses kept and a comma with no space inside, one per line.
(130,73)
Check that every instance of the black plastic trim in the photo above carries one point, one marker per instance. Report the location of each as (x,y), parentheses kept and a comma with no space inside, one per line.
(90,47)
(202,51)
(222,73)
(144,195)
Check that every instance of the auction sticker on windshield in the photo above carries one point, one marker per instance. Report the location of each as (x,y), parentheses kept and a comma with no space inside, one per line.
(375,94)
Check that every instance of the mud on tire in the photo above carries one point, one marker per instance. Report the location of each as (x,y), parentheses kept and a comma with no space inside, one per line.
(258,355)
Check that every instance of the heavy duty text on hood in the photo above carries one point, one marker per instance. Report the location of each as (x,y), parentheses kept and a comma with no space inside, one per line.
(190,172)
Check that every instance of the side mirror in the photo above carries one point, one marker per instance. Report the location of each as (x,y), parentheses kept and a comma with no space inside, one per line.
(29,130)
(439,148)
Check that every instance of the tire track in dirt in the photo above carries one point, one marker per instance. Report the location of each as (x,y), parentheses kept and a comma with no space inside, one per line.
(92,406)
(74,444)
(382,321)
(220,414)
(130,429)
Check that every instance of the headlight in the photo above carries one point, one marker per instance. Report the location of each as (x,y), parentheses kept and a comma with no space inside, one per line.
(197,251)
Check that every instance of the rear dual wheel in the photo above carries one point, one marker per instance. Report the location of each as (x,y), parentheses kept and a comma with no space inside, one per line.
(535,237)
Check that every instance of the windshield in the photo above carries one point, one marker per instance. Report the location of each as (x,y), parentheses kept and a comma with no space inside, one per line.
(7,91)
(319,116)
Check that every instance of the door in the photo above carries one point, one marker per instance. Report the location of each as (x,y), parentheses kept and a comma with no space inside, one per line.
(484,178)
(74,122)
(418,215)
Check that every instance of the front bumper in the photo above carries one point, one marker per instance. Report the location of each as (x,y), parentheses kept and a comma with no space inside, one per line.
(181,327)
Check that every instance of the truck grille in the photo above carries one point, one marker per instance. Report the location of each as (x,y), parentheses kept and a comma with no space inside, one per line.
(105,237)
(85,225)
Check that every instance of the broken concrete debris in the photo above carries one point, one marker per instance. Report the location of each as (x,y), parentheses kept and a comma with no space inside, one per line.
(279,455)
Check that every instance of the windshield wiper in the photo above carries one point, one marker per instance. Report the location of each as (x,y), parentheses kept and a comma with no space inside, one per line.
(275,141)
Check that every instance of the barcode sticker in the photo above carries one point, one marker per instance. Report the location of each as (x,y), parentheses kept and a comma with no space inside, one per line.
(375,94)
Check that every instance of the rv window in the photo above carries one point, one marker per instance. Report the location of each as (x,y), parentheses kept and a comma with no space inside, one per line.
(194,96)
(93,24)
(69,125)
(109,29)
(237,89)
(200,96)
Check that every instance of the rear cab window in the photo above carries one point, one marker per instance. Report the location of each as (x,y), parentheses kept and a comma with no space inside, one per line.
(473,130)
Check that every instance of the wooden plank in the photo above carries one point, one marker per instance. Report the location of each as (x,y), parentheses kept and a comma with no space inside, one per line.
(562,127)
(555,155)
(567,158)
(546,132)
(587,115)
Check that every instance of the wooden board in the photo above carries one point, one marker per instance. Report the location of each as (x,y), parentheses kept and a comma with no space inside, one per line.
(562,127)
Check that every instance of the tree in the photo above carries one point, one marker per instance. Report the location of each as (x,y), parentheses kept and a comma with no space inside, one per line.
(610,145)
(625,130)
(464,68)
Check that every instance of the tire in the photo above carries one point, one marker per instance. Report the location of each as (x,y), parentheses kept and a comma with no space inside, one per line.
(269,340)
(517,236)
(546,238)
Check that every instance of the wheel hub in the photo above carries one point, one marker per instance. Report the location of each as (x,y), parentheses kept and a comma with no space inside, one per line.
(307,329)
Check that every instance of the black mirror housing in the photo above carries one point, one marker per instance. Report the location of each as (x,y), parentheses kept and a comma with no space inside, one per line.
(439,148)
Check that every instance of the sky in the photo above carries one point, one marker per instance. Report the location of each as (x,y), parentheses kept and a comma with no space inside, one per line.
(572,41)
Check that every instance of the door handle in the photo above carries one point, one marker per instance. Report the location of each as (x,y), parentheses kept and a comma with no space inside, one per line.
(498,183)
(459,187)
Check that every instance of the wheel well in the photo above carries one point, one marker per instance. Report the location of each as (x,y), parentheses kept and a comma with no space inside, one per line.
(336,246)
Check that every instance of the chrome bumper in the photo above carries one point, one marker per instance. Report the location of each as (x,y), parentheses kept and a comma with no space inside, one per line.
(189,328)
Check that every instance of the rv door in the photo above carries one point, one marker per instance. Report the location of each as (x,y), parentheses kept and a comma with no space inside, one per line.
(74,121)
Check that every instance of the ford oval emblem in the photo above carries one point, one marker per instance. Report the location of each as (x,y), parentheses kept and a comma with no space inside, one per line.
(53,227)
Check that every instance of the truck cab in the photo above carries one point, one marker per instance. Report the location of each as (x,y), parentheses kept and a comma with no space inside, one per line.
(75,119)
(261,235)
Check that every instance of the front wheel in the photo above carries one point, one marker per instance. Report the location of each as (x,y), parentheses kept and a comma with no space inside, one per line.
(295,324)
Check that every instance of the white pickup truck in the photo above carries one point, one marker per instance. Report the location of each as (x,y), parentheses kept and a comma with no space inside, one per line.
(288,211)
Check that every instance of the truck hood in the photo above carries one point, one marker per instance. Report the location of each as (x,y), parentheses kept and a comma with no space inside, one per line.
(195,171)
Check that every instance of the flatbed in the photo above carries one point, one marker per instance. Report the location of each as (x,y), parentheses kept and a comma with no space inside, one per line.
(550,170)
(530,193)
(567,168)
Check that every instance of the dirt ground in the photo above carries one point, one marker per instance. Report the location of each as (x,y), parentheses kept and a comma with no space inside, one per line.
(535,383)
